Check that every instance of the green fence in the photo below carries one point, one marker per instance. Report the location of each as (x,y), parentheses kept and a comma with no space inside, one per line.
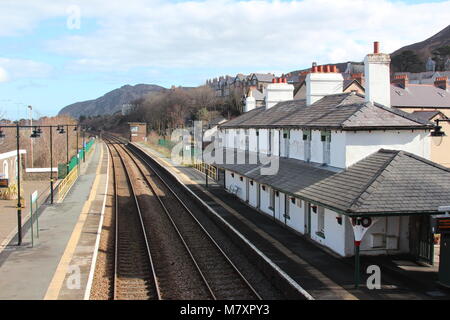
(62,167)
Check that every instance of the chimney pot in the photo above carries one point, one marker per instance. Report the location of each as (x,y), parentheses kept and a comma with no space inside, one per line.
(441,82)
(314,69)
(320,69)
(376,47)
(274,80)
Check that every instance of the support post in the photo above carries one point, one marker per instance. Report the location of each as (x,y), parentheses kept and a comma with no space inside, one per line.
(19,204)
(51,164)
(357,264)
(78,154)
(67,150)
(31,218)
(84,148)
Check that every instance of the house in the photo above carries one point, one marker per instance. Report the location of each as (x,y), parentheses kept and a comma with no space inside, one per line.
(430,101)
(350,170)
(8,166)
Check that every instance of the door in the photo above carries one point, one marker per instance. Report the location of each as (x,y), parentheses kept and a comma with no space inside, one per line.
(258,195)
(307,142)
(247,190)
(444,260)
(308,219)
(422,239)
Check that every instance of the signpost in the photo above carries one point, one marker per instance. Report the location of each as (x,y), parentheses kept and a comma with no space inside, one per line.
(33,199)
(4,183)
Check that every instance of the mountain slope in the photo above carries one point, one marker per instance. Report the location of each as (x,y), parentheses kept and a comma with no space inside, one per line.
(110,102)
(424,48)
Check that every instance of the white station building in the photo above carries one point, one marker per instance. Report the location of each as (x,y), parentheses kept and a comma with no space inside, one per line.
(351,169)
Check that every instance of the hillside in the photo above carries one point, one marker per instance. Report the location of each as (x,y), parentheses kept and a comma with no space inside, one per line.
(424,49)
(111,102)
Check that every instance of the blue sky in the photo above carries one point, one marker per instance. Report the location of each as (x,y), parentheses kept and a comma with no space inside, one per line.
(46,63)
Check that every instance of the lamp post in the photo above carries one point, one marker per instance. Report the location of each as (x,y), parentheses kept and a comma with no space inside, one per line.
(51,163)
(19,204)
(35,134)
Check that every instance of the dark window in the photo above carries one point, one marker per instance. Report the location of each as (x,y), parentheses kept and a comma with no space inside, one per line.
(232,175)
(293,200)
(242,178)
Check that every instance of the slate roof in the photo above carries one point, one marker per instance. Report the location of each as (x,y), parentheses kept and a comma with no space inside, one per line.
(426,115)
(264,77)
(387,182)
(420,95)
(345,111)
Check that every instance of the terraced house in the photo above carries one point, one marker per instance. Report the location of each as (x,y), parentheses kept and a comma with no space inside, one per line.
(352,170)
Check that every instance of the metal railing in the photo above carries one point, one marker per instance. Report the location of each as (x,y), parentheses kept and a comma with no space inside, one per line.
(67,183)
(207,169)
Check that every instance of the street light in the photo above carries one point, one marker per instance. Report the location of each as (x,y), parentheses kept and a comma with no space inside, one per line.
(35,134)
(437,134)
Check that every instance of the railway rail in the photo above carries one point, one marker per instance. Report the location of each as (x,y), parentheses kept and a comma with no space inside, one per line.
(219,274)
(134,276)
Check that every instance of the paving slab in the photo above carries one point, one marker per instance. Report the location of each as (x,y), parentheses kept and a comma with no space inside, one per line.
(27,272)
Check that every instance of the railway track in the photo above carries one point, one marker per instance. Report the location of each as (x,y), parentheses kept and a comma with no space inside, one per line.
(134,276)
(218,273)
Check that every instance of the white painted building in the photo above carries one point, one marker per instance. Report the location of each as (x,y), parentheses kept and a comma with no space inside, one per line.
(343,158)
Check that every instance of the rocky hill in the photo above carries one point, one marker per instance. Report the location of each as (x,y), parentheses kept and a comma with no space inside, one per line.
(111,102)
(437,47)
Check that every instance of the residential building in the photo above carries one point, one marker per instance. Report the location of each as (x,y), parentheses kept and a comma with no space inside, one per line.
(348,164)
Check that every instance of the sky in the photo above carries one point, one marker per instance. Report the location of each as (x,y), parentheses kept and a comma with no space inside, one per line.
(54,53)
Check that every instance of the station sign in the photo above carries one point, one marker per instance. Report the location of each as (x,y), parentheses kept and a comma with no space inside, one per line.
(441,225)
(4,183)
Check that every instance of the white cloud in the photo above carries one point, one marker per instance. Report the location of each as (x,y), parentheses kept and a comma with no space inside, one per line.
(3,75)
(230,34)
(21,68)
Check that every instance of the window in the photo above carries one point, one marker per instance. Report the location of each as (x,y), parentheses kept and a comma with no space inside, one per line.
(241,178)
(307,144)
(299,203)
(325,137)
(134,129)
(251,182)
(321,222)
(232,175)
(293,200)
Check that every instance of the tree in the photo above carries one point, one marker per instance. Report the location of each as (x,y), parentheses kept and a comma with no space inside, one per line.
(408,61)
(440,56)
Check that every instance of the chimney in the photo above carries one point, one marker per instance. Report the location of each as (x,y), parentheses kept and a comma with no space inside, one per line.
(278,91)
(441,82)
(322,81)
(400,80)
(377,75)
(358,77)
(250,102)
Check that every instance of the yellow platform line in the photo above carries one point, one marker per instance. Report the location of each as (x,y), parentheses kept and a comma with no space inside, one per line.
(61,271)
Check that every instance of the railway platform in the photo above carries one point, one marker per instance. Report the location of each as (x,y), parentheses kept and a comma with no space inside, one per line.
(321,273)
(59,264)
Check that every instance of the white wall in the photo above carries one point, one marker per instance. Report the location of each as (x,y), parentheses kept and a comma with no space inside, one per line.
(337,147)
(253,142)
(265,201)
(363,143)
(296,145)
(253,193)
(316,147)
(297,216)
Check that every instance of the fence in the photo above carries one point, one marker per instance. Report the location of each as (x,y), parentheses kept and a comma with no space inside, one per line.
(62,167)
(207,169)
(68,181)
